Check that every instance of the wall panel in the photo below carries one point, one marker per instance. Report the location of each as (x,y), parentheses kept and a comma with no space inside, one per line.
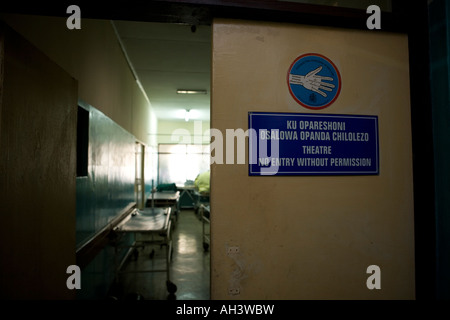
(37,173)
(312,237)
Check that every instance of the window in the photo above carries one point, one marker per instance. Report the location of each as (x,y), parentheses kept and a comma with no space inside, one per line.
(181,163)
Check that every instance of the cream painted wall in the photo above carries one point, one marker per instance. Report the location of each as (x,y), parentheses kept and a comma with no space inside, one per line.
(312,237)
(93,56)
(193,131)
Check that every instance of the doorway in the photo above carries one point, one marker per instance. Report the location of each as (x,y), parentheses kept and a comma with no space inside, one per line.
(172,66)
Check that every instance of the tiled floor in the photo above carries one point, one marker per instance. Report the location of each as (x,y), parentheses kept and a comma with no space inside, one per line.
(189,270)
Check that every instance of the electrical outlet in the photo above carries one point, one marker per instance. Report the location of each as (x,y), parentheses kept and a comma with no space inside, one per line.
(234,291)
(232,250)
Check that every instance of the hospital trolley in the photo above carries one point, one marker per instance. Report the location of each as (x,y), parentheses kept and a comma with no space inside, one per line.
(149,226)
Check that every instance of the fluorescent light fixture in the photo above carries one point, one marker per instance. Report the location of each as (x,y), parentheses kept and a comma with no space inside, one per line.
(187,115)
(183,91)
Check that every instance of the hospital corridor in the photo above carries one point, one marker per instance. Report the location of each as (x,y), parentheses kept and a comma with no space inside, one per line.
(185,150)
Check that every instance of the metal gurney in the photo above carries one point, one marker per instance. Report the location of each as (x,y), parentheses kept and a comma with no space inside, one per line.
(150,226)
(165,199)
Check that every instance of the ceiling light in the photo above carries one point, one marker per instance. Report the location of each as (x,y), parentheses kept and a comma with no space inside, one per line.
(182,91)
(187,115)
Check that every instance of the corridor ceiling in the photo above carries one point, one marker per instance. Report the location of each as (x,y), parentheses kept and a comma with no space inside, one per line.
(167,57)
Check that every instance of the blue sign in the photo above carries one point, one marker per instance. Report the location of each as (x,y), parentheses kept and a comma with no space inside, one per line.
(314,81)
(311,144)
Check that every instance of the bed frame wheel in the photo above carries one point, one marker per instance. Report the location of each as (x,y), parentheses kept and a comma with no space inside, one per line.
(171,287)
(205,246)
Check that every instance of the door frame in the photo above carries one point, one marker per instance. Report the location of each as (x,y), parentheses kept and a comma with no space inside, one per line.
(410,18)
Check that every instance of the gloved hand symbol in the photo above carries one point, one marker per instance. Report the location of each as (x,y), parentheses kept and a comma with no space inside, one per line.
(313,82)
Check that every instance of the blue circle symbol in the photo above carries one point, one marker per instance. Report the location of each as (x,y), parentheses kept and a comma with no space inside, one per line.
(314,81)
